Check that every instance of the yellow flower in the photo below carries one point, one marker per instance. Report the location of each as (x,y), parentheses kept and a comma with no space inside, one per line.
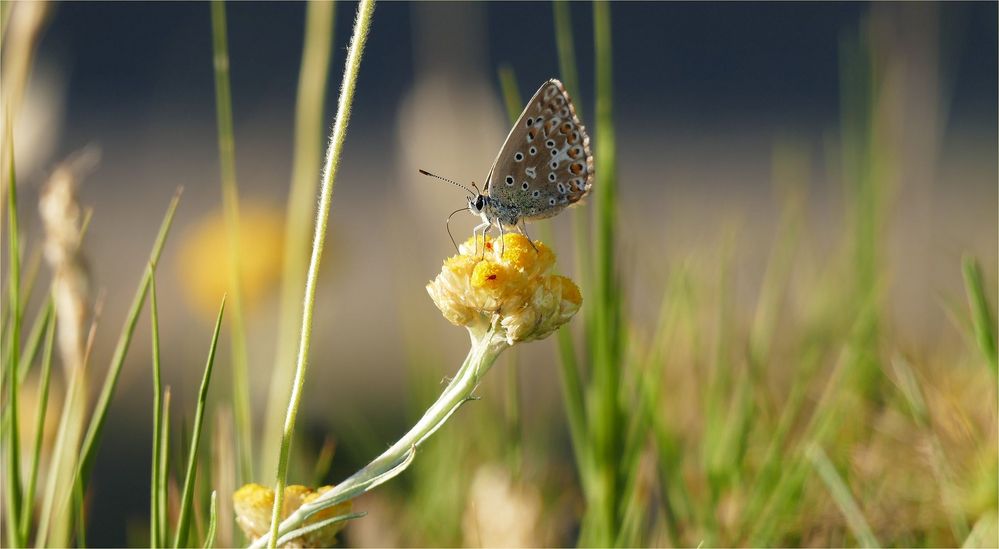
(253,504)
(514,292)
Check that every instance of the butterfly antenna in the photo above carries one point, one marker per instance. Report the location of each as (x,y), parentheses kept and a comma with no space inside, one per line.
(447,225)
(455,183)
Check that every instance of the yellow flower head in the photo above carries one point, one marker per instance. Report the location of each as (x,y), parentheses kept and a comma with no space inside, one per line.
(515,290)
(253,504)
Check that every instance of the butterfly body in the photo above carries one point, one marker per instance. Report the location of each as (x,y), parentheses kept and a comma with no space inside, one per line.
(544,166)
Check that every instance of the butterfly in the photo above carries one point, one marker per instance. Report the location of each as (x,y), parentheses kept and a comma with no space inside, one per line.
(544,166)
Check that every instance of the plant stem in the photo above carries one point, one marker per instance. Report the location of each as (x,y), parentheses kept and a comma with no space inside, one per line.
(361,25)
(485,349)
(309,135)
(154,496)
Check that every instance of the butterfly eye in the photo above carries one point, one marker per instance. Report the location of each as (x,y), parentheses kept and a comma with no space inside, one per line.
(479,202)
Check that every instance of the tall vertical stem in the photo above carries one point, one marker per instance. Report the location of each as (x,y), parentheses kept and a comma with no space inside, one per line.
(361,25)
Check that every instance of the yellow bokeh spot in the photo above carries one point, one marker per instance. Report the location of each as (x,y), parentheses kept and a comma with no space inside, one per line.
(204,256)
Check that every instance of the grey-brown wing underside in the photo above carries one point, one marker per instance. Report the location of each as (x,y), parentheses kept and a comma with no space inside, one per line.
(545,163)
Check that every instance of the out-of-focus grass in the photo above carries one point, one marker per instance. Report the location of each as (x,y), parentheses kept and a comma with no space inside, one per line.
(230,204)
(801,423)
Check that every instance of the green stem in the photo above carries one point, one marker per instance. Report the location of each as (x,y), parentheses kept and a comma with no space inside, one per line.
(486,348)
(154,497)
(312,78)
(361,25)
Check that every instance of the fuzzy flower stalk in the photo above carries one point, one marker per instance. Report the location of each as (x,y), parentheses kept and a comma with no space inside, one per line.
(501,299)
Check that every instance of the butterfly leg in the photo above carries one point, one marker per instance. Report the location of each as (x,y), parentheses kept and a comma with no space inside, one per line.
(483,227)
(523,230)
(502,240)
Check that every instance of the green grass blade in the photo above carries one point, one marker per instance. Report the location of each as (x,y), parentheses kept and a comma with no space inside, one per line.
(230,205)
(154,496)
(841,495)
(213,521)
(606,338)
(164,471)
(982,317)
(12,490)
(184,516)
(96,427)
(511,94)
(310,119)
(34,341)
(78,517)
(43,402)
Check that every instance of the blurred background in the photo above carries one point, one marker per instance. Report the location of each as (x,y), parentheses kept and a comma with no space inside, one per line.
(724,114)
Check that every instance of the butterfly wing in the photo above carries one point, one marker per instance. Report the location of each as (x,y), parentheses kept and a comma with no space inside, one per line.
(545,163)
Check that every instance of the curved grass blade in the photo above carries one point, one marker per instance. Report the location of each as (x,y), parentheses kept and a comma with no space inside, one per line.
(96,426)
(184,517)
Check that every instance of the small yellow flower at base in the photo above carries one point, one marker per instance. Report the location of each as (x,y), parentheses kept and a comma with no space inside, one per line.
(514,291)
(253,504)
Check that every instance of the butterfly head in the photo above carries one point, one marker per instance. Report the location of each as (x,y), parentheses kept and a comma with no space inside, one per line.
(477,204)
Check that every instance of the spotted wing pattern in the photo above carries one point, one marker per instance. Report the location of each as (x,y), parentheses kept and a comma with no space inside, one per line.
(545,163)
